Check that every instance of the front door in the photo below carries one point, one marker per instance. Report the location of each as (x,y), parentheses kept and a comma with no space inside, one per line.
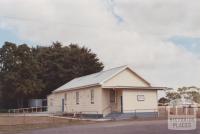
(121,100)
(116,101)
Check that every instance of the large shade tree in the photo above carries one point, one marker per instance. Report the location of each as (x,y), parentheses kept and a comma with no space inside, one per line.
(19,74)
(61,64)
(27,73)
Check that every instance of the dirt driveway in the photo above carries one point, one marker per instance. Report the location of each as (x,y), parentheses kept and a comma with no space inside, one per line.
(123,127)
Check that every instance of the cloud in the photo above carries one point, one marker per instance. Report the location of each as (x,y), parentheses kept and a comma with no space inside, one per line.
(134,32)
(161,17)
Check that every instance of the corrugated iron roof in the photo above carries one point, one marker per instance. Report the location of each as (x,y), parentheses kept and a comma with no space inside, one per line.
(92,79)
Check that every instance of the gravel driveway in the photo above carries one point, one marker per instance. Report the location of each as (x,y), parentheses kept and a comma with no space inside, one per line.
(122,127)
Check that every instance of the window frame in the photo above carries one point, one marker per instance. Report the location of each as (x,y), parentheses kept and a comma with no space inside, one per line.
(77,98)
(92,96)
(51,102)
(65,98)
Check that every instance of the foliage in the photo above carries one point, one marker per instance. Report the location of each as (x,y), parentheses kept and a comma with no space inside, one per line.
(191,92)
(163,100)
(34,72)
(195,96)
(3,110)
(173,95)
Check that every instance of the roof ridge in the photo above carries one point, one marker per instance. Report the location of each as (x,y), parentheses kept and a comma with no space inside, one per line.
(95,78)
(122,68)
(100,72)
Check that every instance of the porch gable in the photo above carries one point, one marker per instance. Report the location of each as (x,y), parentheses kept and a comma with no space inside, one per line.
(126,78)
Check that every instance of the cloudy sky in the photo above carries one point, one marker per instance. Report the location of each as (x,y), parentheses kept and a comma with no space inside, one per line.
(160,39)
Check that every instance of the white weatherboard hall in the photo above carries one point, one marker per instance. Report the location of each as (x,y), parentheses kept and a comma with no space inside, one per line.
(117,90)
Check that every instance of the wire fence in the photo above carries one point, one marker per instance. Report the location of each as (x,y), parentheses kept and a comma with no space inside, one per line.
(39,115)
(164,111)
(142,113)
(28,110)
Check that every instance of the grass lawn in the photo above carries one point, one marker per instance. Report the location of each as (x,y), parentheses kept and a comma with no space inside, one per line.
(21,124)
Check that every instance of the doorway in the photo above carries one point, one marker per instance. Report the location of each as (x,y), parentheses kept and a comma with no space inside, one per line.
(121,100)
(116,101)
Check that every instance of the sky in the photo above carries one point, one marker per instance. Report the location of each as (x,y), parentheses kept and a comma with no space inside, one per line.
(160,39)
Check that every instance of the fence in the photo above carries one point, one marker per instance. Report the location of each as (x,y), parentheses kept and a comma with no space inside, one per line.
(142,113)
(25,118)
(40,116)
(28,110)
(164,111)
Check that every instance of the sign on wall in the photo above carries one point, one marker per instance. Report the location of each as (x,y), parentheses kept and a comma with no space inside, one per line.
(140,98)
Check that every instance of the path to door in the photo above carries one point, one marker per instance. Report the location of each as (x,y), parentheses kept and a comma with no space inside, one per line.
(123,127)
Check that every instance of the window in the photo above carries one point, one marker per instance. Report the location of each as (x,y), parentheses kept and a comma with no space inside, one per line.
(77,97)
(51,102)
(92,96)
(65,96)
(140,98)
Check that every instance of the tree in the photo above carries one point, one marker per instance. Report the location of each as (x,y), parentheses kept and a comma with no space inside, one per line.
(183,90)
(163,100)
(18,74)
(7,63)
(34,72)
(195,96)
(173,95)
(27,85)
(192,92)
(61,64)
(1,104)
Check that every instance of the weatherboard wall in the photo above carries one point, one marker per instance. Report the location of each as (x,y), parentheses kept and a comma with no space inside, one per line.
(125,78)
(55,102)
(70,105)
(131,102)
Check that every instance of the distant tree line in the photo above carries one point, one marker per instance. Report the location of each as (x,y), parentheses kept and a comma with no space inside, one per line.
(33,72)
(193,93)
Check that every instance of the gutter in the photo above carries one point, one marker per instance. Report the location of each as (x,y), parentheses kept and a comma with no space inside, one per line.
(76,88)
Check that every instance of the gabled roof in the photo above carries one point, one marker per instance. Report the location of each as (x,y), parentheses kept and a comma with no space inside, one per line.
(94,79)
